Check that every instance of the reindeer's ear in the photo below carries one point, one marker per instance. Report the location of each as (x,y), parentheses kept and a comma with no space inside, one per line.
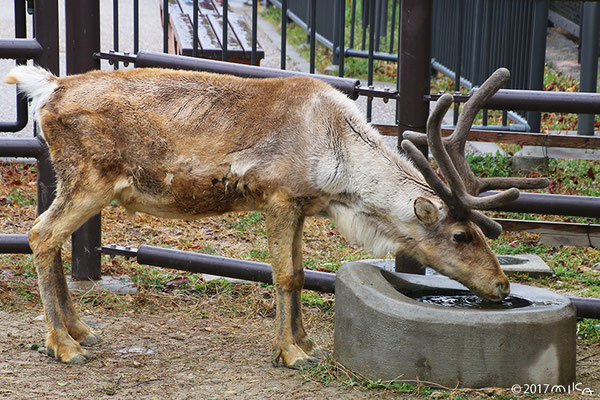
(426,211)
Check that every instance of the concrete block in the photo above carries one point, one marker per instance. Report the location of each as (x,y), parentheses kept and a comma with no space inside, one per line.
(382,333)
(107,283)
(534,157)
(530,264)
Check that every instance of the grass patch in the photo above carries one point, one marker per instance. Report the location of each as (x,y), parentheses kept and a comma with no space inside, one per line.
(248,221)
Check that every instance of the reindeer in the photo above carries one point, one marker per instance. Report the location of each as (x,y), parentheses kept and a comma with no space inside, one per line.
(181,144)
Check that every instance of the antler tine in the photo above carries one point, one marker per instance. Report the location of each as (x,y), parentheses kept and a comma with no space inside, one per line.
(488,226)
(437,114)
(455,145)
(456,179)
(507,183)
(429,174)
(474,104)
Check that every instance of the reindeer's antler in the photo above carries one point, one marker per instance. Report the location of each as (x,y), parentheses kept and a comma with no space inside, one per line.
(464,186)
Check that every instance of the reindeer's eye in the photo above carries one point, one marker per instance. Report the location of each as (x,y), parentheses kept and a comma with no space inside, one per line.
(460,237)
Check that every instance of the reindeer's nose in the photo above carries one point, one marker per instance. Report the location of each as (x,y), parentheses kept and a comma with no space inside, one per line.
(503,288)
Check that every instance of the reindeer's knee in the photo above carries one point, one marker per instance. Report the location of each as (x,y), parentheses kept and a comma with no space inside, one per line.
(34,238)
(289,282)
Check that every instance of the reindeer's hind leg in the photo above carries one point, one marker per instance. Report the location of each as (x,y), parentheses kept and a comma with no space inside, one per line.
(284,230)
(66,331)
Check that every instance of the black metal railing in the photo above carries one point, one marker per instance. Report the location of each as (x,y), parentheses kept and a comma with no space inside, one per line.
(413,43)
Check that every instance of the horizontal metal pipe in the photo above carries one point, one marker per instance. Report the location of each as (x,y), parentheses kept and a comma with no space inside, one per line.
(261,272)
(586,307)
(554,204)
(21,147)
(152,59)
(377,55)
(539,100)
(20,48)
(14,244)
(230,267)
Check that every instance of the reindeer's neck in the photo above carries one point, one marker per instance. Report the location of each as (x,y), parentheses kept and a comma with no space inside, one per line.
(376,207)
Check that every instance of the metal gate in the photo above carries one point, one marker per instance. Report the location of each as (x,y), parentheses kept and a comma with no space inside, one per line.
(84,54)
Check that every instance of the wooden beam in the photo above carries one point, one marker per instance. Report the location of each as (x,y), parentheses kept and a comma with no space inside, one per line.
(521,138)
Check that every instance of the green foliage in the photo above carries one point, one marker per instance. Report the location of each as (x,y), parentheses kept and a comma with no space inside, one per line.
(329,370)
(323,302)
(167,280)
(575,176)
(248,221)
(588,330)
(258,255)
(22,199)
(488,165)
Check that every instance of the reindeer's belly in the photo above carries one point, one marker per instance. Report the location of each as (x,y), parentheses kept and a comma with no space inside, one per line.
(183,195)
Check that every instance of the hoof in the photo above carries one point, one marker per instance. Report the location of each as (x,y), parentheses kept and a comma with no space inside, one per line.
(65,349)
(78,359)
(293,357)
(90,340)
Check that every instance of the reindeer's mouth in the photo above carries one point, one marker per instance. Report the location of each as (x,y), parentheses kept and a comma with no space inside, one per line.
(499,294)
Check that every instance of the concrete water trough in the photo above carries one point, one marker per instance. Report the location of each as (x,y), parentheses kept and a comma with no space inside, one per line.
(383,331)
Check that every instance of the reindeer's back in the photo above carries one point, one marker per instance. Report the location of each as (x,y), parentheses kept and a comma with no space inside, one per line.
(174,130)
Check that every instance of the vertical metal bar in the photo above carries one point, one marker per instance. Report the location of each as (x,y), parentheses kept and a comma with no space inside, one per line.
(165,26)
(254,58)
(538,56)
(284,8)
(589,61)
(336,33)
(485,50)
(22,103)
(398,71)
(459,51)
(477,34)
(415,63)
(352,22)
(225,27)
(384,18)
(393,28)
(364,22)
(45,27)
(136,26)
(371,59)
(195,29)
(313,31)
(116,29)
(83,40)
(20,20)
(378,12)
(342,37)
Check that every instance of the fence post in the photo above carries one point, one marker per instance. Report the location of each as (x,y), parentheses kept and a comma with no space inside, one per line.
(45,20)
(83,39)
(414,72)
(538,57)
(589,61)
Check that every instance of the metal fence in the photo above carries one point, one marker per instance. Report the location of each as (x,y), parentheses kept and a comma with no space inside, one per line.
(84,53)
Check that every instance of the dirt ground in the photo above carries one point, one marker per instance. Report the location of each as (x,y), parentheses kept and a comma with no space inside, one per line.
(193,352)
(170,356)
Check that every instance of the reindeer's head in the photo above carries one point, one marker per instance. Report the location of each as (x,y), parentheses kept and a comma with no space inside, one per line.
(452,234)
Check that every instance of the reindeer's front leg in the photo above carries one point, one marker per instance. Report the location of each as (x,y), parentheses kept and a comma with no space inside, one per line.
(284,230)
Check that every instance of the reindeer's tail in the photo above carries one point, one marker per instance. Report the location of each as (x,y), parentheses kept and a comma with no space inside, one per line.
(37,83)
